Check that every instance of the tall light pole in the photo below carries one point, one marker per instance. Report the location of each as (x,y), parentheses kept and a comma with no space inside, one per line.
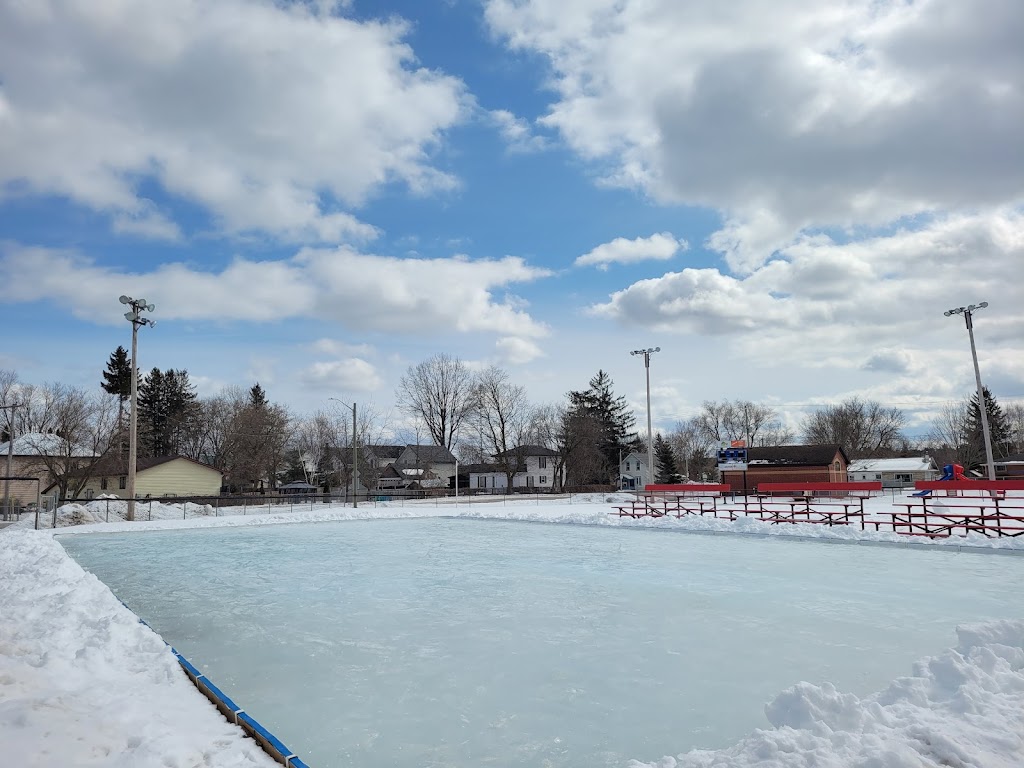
(986,433)
(136,319)
(650,438)
(355,453)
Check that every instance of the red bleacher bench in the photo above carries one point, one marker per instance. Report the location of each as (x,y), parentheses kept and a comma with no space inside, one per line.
(818,489)
(688,488)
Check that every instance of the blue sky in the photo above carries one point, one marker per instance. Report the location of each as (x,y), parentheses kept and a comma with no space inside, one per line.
(784,196)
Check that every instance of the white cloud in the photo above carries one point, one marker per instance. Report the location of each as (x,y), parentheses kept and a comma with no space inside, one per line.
(359,291)
(517,132)
(874,305)
(249,109)
(658,247)
(787,115)
(349,375)
(341,348)
(517,351)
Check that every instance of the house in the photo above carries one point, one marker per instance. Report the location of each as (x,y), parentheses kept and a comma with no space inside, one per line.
(633,472)
(789,464)
(894,473)
(535,468)
(417,462)
(155,477)
(1010,468)
(400,466)
(34,458)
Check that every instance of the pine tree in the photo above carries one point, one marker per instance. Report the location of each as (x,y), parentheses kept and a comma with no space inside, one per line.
(257,397)
(117,378)
(167,405)
(615,421)
(998,425)
(665,461)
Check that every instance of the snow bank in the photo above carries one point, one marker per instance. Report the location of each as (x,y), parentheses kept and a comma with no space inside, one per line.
(963,708)
(83,682)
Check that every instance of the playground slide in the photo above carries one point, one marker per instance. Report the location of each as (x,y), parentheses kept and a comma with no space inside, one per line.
(949,472)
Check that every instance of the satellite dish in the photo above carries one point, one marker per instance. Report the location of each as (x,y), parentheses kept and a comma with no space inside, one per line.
(124,299)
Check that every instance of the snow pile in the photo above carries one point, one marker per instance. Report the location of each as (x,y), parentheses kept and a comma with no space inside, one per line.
(82,682)
(965,707)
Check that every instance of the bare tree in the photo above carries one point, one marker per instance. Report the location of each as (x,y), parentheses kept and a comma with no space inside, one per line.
(255,440)
(758,425)
(1015,427)
(951,438)
(504,415)
(206,440)
(864,428)
(371,427)
(575,438)
(82,427)
(693,447)
(438,391)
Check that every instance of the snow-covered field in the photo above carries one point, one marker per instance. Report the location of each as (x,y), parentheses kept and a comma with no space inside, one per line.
(83,683)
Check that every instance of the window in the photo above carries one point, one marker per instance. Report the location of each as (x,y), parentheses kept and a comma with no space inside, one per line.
(103,484)
(543,479)
(542,462)
(122,483)
(481,481)
(879,477)
(904,478)
(529,481)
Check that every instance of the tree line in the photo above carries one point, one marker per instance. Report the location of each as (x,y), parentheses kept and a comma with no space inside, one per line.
(481,416)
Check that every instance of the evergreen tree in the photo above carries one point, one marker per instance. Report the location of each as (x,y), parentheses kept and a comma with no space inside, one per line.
(665,461)
(998,425)
(117,378)
(257,397)
(615,421)
(167,407)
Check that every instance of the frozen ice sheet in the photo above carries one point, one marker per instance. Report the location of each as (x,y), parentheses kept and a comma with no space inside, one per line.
(461,643)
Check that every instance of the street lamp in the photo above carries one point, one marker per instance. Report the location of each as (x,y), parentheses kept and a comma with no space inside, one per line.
(135,318)
(650,439)
(986,433)
(355,453)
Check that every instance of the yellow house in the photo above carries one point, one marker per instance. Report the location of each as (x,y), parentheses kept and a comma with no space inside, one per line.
(157,477)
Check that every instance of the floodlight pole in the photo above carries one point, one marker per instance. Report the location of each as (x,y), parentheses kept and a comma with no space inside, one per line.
(650,438)
(967,312)
(136,319)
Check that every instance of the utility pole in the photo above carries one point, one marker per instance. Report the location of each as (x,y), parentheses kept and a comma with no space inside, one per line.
(136,319)
(355,452)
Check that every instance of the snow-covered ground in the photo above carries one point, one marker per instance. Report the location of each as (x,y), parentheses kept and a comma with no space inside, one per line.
(83,683)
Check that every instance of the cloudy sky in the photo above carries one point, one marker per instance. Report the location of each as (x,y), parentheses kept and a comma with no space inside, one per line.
(784,195)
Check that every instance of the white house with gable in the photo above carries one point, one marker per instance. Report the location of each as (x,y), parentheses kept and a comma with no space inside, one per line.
(536,471)
(894,473)
(633,473)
